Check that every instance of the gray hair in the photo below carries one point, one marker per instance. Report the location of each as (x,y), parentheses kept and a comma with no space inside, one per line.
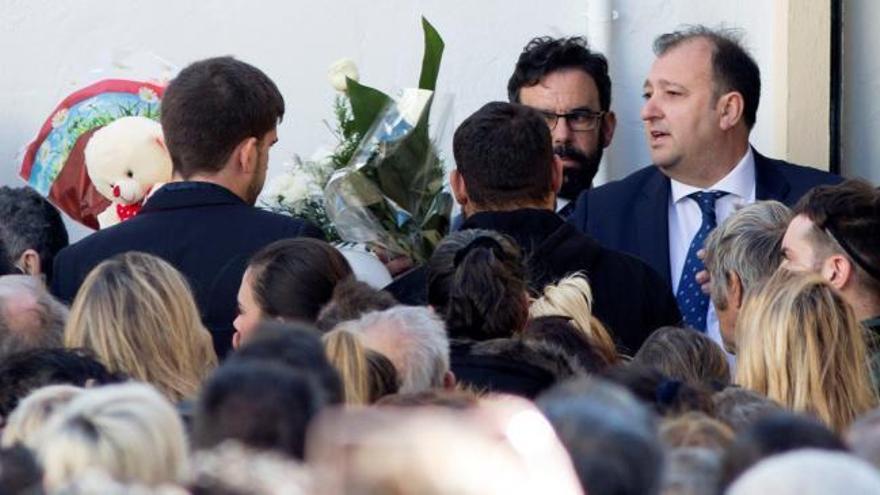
(863,437)
(691,470)
(413,338)
(808,472)
(749,244)
(30,317)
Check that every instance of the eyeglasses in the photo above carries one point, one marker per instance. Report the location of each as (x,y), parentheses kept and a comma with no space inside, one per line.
(578,120)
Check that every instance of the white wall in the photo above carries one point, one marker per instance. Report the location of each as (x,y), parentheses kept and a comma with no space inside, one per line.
(46,45)
(861,91)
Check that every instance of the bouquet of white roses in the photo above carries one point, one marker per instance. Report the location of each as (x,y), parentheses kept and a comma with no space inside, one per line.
(390,194)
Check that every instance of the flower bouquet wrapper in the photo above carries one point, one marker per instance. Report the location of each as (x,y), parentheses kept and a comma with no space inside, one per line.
(391,194)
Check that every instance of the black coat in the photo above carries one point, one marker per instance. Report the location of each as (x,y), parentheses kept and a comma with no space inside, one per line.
(204,230)
(628,296)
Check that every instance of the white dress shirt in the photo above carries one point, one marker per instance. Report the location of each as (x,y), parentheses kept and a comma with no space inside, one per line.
(685,219)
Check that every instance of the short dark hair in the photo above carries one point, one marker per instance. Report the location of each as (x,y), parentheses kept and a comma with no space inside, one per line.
(296,346)
(6,265)
(505,155)
(352,299)
(21,472)
(668,397)
(544,55)
(26,371)
(31,222)
(383,379)
(477,283)
(733,69)
(295,278)
(774,434)
(264,405)
(686,355)
(846,220)
(213,105)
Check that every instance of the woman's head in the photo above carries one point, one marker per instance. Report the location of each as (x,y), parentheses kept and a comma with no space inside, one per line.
(477,282)
(686,355)
(137,314)
(290,279)
(129,431)
(572,297)
(366,375)
(800,344)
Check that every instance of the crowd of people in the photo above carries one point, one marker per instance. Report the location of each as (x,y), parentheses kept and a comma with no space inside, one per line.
(709,324)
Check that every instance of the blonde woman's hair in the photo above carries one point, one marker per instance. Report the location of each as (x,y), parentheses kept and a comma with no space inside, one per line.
(800,344)
(572,297)
(31,414)
(137,314)
(130,431)
(348,355)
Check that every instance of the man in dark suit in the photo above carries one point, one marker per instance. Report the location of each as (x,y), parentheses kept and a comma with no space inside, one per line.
(701,99)
(219,117)
(506,179)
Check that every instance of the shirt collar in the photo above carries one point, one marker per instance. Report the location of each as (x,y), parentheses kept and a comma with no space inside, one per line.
(739,182)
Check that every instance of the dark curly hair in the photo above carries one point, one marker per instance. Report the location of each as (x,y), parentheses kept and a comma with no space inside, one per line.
(544,55)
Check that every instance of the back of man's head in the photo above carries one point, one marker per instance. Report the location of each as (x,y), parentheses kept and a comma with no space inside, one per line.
(262,404)
(296,346)
(610,436)
(211,107)
(30,222)
(29,316)
(544,55)
(505,155)
(846,219)
(413,338)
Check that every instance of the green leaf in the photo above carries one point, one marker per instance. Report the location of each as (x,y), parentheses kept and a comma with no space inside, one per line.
(433,55)
(366,104)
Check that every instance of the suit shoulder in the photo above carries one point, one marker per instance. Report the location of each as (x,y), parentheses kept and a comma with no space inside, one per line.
(285,223)
(627,185)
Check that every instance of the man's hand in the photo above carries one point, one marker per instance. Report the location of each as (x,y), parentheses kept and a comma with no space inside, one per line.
(702,277)
(396,264)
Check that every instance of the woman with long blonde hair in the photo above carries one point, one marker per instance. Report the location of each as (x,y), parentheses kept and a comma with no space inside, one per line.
(572,297)
(137,314)
(800,344)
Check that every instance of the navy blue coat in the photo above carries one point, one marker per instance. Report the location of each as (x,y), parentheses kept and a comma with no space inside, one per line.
(632,214)
(204,230)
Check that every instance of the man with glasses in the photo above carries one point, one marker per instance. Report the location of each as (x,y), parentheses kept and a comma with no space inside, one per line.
(569,85)
(701,100)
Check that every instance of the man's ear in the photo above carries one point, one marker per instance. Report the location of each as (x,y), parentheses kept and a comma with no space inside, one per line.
(837,270)
(731,106)
(248,153)
(29,261)
(734,290)
(557,174)
(609,123)
(459,190)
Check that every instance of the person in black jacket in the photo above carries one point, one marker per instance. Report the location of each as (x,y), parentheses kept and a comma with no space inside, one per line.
(219,117)
(506,179)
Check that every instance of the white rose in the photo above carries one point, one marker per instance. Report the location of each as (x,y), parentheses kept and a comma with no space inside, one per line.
(288,189)
(341,69)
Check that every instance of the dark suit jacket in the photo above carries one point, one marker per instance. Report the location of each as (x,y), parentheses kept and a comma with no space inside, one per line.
(632,214)
(204,230)
(628,296)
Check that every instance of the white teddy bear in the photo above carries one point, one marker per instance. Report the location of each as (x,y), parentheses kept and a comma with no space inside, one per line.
(126,160)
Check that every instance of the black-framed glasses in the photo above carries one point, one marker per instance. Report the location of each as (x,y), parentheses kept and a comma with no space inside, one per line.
(577,120)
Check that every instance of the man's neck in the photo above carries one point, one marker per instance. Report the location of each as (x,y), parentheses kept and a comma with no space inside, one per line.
(865,305)
(471,209)
(219,179)
(712,166)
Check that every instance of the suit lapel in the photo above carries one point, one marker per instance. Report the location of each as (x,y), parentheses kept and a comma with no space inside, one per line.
(769,183)
(652,224)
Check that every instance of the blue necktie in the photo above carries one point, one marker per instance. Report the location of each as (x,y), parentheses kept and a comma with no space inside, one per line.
(691,300)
